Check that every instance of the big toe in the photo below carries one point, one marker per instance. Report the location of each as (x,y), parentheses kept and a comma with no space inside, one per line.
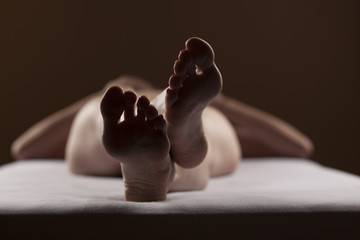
(202,52)
(112,104)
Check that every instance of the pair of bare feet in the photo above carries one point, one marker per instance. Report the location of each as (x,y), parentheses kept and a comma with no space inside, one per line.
(148,144)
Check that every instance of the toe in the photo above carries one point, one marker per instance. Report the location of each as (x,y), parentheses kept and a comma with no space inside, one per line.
(186,57)
(112,104)
(202,53)
(151,112)
(130,99)
(158,123)
(142,104)
(171,97)
(180,67)
(176,81)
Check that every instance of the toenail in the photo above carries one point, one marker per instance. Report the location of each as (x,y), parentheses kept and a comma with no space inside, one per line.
(182,50)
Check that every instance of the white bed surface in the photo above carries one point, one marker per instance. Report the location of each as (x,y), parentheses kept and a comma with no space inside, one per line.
(258,185)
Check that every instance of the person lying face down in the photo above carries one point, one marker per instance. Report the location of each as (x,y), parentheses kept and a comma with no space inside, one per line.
(170,140)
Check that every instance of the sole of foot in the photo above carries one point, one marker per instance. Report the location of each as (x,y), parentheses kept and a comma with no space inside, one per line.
(139,142)
(195,83)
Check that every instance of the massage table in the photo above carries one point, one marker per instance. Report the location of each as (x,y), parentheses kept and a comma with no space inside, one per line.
(265,198)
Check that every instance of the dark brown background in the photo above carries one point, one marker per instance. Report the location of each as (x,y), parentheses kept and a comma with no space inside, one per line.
(296,59)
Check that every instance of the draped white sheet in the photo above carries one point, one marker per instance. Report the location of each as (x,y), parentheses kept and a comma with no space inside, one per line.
(258,185)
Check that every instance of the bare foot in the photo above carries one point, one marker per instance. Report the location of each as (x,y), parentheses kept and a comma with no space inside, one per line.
(195,83)
(139,143)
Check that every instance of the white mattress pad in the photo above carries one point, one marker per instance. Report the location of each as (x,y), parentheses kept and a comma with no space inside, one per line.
(258,185)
